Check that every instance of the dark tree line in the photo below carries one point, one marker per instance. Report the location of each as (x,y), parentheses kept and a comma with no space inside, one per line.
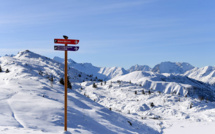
(7,70)
(68,82)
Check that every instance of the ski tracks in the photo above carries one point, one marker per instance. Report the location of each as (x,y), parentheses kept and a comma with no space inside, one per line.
(13,113)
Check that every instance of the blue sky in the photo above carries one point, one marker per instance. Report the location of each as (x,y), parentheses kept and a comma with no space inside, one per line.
(113,32)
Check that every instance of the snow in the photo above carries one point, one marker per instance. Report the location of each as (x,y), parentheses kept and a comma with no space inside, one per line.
(177,84)
(205,74)
(30,103)
(171,103)
(139,68)
(191,128)
(169,110)
(172,67)
(111,72)
(104,73)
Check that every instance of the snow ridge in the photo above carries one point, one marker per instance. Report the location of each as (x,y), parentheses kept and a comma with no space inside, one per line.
(104,73)
(177,84)
(139,68)
(172,67)
(205,74)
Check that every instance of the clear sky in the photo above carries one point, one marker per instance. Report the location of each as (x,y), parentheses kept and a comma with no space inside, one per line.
(113,32)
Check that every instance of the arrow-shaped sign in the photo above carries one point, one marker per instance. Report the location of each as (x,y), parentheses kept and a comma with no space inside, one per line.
(66,41)
(68,48)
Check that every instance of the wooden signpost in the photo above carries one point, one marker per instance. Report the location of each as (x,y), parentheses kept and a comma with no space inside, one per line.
(66,48)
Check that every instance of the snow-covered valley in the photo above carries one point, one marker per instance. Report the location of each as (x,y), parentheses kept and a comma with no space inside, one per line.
(158,110)
(141,102)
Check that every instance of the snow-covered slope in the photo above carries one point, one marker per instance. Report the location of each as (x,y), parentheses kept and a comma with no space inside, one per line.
(30,103)
(139,68)
(104,73)
(111,72)
(137,102)
(172,67)
(162,111)
(205,74)
(43,66)
(174,84)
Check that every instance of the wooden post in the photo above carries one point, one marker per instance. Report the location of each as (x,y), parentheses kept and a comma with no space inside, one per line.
(65,88)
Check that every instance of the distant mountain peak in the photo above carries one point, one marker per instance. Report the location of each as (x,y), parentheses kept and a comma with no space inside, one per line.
(27,53)
(139,68)
(205,74)
(172,67)
(104,73)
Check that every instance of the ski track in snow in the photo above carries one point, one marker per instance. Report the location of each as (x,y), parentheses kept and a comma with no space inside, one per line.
(15,117)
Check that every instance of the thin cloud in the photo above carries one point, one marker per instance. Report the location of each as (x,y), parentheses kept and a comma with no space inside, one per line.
(109,7)
(27,19)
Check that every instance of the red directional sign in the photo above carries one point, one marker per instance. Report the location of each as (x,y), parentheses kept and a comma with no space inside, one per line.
(66,41)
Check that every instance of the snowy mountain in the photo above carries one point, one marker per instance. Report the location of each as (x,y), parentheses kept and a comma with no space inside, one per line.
(164,112)
(204,74)
(10,55)
(170,84)
(104,73)
(139,68)
(130,103)
(111,72)
(42,66)
(172,67)
(30,103)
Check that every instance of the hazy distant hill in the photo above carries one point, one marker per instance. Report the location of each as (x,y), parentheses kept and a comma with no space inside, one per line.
(104,73)
(172,67)
(139,68)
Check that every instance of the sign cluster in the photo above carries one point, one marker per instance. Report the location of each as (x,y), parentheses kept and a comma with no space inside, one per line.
(66,41)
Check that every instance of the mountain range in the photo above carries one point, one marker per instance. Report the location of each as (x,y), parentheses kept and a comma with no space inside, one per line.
(205,74)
